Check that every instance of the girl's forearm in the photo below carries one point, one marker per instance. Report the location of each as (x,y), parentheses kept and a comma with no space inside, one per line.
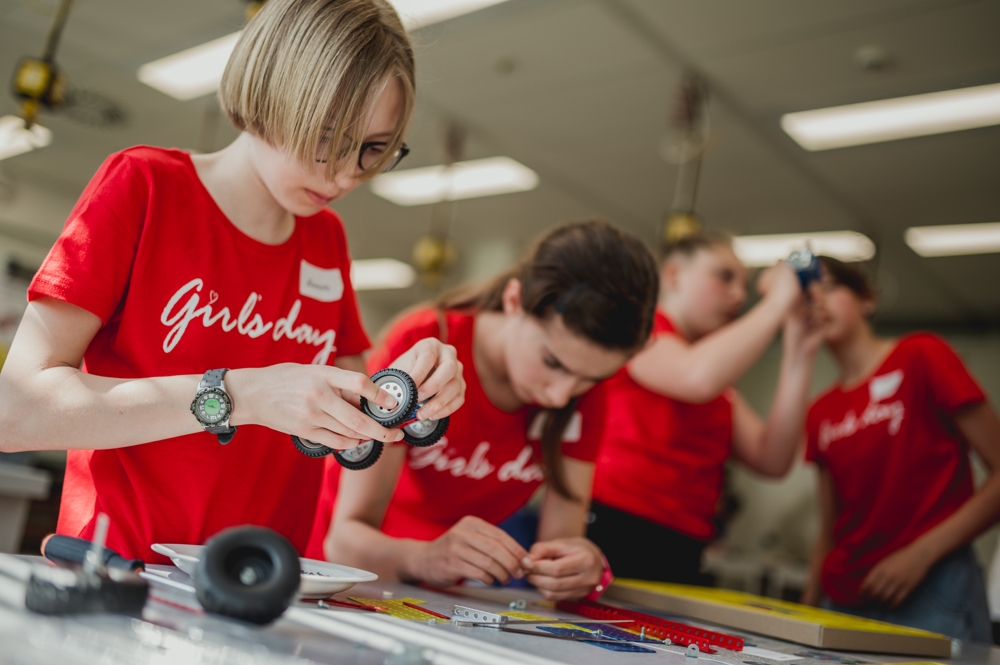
(62,408)
(352,542)
(813,592)
(786,419)
(976,515)
(702,371)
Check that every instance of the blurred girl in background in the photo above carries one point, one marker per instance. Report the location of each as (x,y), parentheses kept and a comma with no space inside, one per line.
(674,417)
(892,439)
(533,344)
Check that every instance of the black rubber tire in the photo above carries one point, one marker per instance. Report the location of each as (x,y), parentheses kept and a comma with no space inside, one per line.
(248,573)
(406,398)
(356,464)
(440,427)
(309,448)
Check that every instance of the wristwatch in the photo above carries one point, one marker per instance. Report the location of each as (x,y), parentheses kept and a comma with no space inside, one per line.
(213,406)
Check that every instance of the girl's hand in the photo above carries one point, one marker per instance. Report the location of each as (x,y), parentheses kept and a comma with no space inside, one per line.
(565,568)
(895,577)
(435,368)
(801,336)
(779,282)
(472,549)
(315,402)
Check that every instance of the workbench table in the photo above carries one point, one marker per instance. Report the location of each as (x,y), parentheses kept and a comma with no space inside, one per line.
(173,629)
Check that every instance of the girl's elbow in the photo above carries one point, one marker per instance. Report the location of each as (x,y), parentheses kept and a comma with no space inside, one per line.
(701,390)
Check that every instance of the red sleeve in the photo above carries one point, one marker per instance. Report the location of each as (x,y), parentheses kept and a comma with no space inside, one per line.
(582,437)
(950,384)
(351,336)
(91,263)
(404,333)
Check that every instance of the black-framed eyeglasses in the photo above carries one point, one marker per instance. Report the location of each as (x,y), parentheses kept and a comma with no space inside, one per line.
(372,151)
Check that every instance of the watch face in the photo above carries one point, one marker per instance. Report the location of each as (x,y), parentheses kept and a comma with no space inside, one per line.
(212,407)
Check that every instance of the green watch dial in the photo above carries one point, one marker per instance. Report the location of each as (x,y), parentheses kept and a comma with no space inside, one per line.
(212,407)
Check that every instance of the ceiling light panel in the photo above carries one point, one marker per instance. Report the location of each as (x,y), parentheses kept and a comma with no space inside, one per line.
(462,180)
(954,239)
(193,72)
(892,119)
(376,274)
(16,139)
(766,250)
(418,13)
(197,71)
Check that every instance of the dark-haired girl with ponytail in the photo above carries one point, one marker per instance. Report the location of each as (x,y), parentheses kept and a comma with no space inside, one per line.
(892,439)
(533,345)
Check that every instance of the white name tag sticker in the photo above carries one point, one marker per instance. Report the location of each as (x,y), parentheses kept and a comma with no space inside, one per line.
(322,284)
(885,386)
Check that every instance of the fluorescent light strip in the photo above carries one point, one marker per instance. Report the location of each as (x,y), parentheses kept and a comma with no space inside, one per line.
(766,250)
(197,71)
(892,119)
(193,72)
(418,13)
(954,239)
(16,139)
(462,180)
(376,274)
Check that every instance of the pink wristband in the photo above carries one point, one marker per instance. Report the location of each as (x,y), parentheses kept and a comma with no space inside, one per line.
(606,579)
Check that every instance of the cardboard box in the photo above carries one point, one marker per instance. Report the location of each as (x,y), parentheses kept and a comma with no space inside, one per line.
(780,619)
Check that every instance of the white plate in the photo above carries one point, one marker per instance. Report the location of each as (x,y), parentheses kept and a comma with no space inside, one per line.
(320,579)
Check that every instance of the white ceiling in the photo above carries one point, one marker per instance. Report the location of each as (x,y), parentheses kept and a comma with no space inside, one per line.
(580,91)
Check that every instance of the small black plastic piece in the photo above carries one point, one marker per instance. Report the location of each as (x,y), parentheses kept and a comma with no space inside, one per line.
(423,433)
(248,573)
(400,386)
(67,549)
(361,457)
(310,448)
(74,591)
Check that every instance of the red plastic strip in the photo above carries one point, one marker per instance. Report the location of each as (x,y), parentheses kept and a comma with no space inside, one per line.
(414,606)
(678,633)
(345,603)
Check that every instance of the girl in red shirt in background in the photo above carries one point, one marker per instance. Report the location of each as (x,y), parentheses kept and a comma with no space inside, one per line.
(533,345)
(892,440)
(674,418)
(172,265)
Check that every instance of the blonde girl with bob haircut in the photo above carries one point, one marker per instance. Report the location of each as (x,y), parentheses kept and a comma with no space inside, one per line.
(191,296)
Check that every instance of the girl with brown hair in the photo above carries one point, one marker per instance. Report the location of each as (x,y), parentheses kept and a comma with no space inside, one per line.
(172,265)
(674,418)
(533,345)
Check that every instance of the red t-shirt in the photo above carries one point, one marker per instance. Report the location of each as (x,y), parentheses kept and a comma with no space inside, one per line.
(180,290)
(662,459)
(898,463)
(489,462)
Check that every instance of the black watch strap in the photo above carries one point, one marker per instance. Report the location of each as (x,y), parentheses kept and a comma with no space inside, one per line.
(224,434)
(213,379)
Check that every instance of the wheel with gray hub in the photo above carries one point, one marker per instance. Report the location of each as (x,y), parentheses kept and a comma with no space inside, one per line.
(360,457)
(397,383)
(310,448)
(423,433)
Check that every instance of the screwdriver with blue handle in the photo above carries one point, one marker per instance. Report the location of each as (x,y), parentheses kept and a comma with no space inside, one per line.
(67,549)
